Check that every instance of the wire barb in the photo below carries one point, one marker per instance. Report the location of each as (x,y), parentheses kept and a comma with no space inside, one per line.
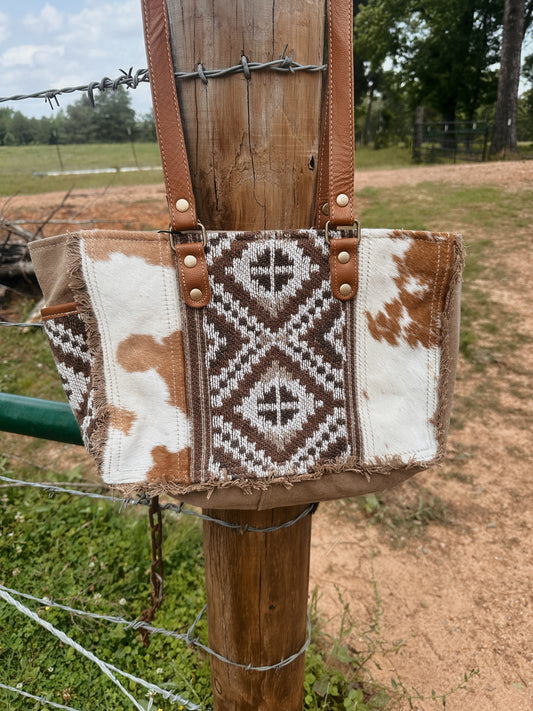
(131,79)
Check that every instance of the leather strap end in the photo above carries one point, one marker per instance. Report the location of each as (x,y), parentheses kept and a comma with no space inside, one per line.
(193,276)
(343,261)
(342,216)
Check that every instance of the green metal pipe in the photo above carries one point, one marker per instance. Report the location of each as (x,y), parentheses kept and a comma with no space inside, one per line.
(38,418)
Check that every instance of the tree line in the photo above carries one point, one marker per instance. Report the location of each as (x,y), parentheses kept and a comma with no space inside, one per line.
(111,120)
(459,60)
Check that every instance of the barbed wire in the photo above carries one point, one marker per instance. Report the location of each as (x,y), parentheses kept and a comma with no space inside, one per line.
(40,699)
(39,324)
(108,669)
(131,79)
(9,595)
(186,637)
(179,509)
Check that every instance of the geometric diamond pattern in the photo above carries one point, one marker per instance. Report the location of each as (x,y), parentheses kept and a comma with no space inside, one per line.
(273,356)
(278,405)
(68,341)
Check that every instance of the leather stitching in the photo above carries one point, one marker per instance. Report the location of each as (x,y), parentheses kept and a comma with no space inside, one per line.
(172,87)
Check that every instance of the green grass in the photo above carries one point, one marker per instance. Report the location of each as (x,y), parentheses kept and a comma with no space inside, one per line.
(87,556)
(367,158)
(26,363)
(19,166)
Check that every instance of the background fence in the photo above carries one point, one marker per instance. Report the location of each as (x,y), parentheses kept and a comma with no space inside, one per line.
(442,142)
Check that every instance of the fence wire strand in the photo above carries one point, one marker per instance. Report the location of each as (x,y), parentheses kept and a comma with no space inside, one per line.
(40,699)
(131,80)
(108,669)
(187,637)
(144,500)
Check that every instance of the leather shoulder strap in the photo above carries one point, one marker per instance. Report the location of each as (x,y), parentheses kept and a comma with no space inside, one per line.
(335,185)
(167,117)
(336,157)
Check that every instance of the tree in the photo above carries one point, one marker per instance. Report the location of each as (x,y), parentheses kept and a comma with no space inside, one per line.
(21,129)
(515,22)
(453,49)
(441,51)
(145,128)
(113,116)
(374,43)
(525,102)
(78,124)
(6,117)
(107,122)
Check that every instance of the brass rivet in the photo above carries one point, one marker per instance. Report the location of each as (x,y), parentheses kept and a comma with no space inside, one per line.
(343,257)
(342,200)
(182,205)
(196,294)
(345,289)
(190,261)
(325,208)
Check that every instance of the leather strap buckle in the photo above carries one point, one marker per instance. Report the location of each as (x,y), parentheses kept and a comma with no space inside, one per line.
(173,234)
(356,225)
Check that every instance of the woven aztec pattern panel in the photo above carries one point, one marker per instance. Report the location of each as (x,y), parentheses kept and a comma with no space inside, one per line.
(270,350)
(68,341)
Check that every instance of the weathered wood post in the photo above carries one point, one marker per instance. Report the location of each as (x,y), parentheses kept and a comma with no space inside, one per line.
(253,151)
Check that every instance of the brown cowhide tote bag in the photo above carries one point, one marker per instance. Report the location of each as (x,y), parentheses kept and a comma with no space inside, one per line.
(255,370)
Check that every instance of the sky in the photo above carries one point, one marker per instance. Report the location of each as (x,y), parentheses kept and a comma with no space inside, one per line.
(59,43)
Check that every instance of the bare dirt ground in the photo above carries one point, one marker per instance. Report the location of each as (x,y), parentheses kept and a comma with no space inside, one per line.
(459,595)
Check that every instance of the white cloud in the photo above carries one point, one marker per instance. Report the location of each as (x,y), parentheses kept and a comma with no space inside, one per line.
(31,56)
(50,19)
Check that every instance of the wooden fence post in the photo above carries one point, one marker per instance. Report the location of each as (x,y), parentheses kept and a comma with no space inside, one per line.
(253,152)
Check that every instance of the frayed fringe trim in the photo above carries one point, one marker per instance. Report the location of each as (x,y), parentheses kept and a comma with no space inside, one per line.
(450,320)
(347,465)
(101,407)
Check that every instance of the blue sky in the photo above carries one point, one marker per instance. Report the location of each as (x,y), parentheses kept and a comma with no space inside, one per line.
(48,44)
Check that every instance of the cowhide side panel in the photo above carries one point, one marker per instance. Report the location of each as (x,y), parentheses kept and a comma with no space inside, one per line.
(402,282)
(130,280)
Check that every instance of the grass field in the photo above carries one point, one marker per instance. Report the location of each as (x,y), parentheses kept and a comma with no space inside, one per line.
(20,165)
(86,555)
